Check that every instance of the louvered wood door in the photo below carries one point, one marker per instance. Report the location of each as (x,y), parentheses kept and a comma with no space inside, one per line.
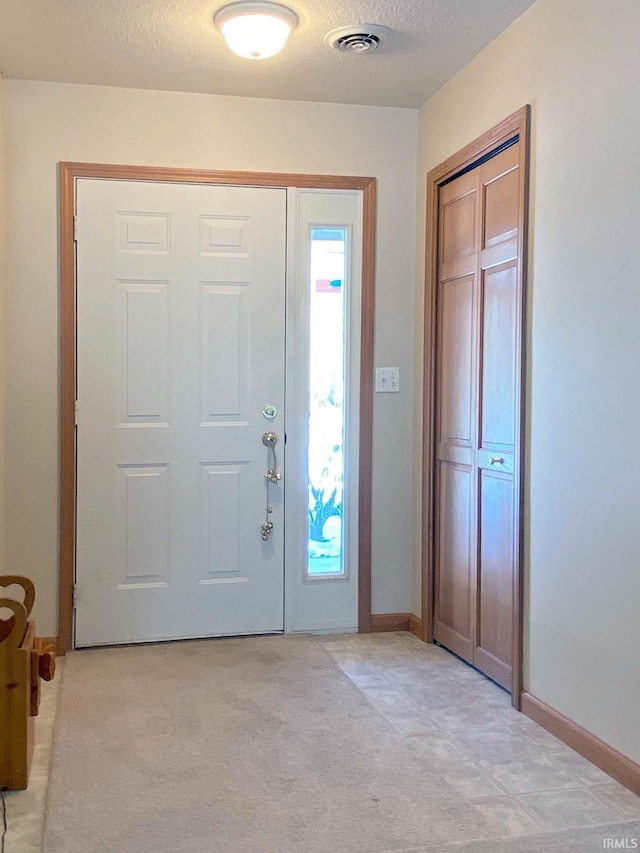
(477,414)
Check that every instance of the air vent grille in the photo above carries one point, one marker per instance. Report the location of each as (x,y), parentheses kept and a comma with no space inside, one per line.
(360,38)
(358,43)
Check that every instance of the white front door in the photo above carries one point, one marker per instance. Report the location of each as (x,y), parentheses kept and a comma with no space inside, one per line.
(181,295)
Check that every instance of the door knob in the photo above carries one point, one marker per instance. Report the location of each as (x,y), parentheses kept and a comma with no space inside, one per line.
(269,439)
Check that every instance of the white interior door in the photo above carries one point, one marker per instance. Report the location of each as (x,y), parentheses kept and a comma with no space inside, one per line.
(181,293)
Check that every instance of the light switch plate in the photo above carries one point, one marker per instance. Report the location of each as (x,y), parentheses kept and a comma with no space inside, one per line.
(387,379)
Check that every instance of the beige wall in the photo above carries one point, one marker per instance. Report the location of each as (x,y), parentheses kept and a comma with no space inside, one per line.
(576,62)
(48,122)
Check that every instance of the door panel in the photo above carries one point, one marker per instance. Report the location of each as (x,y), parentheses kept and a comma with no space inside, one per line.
(454,621)
(180,345)
(458,231)
(498,415)
(498,361)
(500,202)
(458,243)
(477,400)
(456,358)
(221,489)
(223,331)
(496,566)
(143,534)
(454,581)
(143,351)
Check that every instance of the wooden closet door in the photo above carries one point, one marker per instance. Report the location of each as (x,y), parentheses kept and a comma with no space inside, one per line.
(477,375)
(498,378)
(455,496)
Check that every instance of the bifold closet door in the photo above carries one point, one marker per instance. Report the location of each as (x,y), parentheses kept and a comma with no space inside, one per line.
(477,377)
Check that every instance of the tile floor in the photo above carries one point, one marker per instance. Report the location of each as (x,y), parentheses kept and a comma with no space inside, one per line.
(521,780)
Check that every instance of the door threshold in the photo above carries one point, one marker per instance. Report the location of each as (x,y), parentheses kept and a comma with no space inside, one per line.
(137,644)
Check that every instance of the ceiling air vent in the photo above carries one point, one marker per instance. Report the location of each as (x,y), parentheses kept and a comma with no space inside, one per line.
(360,38)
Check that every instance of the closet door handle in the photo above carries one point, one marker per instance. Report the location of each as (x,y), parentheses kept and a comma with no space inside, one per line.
(496,460)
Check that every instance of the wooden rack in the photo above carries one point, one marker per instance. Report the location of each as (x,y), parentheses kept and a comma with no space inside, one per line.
(24,661)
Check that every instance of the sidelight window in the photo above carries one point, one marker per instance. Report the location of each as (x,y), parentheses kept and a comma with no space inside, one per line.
(327,282)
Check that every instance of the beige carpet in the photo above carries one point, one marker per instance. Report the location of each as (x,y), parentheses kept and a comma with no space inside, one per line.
(242,746)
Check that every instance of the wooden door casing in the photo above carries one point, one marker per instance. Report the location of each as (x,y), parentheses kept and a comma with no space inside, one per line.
(477,401)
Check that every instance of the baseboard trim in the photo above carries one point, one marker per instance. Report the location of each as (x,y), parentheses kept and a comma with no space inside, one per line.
(382,622)
(617,765)
(416,627)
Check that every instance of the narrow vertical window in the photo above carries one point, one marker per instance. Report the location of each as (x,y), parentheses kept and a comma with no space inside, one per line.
(326,400)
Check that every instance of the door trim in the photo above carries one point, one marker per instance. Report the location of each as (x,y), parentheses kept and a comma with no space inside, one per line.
(68,172)
(515,126)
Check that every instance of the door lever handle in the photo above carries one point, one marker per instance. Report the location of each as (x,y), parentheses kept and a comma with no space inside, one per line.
(496,460)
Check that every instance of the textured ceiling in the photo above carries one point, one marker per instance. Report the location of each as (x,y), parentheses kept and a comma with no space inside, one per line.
(173,45)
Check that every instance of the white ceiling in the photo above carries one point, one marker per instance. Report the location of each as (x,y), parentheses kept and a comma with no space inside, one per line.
(173,45)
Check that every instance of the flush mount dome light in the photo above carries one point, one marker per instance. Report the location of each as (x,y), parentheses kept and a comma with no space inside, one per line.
(255,30)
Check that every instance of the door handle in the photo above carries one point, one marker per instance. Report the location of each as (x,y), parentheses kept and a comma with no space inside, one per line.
(496,460)
(269,439)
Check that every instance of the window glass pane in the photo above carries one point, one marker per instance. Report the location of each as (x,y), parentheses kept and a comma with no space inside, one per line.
(326,401)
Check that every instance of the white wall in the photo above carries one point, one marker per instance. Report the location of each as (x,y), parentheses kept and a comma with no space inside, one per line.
(46,123)
(576,62)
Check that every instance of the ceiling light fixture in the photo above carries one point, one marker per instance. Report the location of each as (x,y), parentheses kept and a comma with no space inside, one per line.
(255,30)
